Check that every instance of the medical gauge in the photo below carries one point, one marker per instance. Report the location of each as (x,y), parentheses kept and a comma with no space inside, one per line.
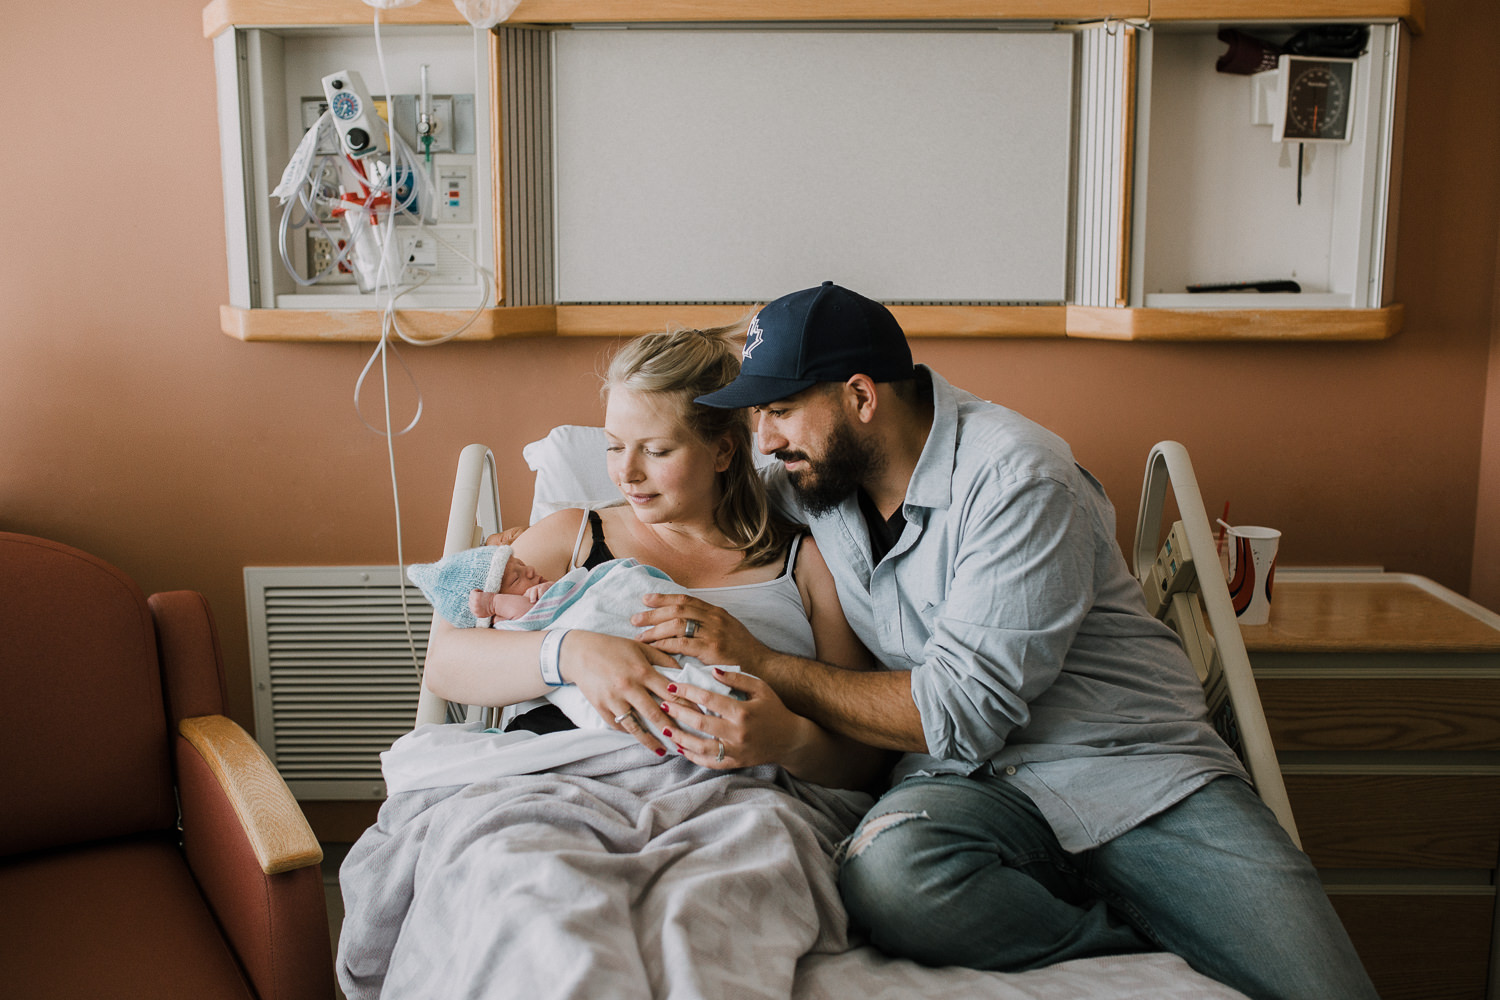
(361,130)
(1317,98)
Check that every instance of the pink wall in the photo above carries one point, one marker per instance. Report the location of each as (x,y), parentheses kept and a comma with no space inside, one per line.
(131,427)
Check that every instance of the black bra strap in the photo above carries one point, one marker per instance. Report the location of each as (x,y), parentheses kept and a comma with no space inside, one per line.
(599,552)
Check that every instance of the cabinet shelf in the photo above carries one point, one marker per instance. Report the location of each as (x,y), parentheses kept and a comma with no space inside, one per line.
(1233,324)
(221,14)
(1411,12)
(977,322)
(363,325)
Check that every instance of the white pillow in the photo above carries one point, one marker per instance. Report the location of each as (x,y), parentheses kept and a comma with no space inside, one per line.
(570,470)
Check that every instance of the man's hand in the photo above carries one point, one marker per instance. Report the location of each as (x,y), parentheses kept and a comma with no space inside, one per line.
(717,637)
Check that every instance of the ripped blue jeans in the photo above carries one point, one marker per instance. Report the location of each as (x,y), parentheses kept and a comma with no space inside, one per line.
(952,870)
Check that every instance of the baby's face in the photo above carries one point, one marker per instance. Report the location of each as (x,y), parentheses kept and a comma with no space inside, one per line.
(519,577)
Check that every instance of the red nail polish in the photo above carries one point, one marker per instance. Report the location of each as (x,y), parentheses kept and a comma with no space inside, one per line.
(671,689)
(681,748)
(660,752)
(667,733)
(718,672)
(666,708)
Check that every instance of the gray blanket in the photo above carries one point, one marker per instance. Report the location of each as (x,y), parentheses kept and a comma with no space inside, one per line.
(609,877)
(617,874)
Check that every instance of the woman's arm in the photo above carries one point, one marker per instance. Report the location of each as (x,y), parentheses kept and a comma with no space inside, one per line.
(478,666)
(761,729)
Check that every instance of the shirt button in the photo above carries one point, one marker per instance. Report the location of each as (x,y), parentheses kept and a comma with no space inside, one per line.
(1011,769)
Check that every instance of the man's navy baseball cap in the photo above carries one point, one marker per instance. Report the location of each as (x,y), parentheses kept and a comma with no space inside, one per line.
(822,334)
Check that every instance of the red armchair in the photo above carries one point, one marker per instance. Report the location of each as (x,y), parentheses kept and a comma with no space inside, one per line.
(148,848)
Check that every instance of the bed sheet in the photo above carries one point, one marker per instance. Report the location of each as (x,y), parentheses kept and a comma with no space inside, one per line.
(580,865)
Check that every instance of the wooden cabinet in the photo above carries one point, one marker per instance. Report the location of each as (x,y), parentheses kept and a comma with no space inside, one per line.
(1382,693)
(1127,277)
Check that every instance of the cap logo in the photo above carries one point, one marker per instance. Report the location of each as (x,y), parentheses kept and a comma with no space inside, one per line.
(753,336)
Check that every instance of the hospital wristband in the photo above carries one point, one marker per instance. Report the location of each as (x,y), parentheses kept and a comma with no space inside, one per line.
(550,660)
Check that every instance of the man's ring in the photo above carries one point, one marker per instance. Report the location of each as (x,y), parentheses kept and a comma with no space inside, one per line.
(690,627)
(629,713)
(720,755)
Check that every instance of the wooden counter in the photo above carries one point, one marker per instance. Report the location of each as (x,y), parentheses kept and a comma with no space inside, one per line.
(1382,693)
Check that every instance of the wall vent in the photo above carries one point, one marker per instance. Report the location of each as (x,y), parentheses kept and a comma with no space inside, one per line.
(331,660)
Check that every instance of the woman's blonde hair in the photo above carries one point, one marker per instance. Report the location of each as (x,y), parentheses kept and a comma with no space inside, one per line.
(681,365)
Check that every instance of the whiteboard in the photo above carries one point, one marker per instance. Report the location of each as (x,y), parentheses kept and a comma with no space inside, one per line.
(701,165)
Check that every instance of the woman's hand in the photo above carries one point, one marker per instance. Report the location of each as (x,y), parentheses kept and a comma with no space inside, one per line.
(677,623)
(758,730)
(619,678)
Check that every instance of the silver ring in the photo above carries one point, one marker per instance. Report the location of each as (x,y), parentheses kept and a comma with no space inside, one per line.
(690,627)
(720,755)
(629,713)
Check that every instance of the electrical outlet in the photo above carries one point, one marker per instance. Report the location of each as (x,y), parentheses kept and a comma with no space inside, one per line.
(320,253)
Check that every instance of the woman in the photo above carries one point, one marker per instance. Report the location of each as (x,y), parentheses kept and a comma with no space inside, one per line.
(694,508)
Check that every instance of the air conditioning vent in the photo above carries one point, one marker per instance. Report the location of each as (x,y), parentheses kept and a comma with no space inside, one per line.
(334,663)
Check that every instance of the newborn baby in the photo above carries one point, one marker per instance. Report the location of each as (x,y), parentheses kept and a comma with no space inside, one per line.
(488,587)
(520,588)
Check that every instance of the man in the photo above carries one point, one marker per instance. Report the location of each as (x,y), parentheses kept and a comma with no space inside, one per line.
(1062,793)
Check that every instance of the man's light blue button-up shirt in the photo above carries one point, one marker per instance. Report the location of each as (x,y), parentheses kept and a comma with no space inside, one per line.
(1027,637)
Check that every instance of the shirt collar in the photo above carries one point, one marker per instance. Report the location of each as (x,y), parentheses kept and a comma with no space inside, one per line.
(932,480)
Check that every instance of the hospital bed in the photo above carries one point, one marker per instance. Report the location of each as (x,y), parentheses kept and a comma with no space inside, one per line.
(570,472)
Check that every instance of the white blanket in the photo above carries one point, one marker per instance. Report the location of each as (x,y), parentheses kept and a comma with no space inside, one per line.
(580,865)
(601,600)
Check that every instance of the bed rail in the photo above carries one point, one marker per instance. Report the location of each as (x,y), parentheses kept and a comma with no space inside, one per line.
(473,516)
(1169,465)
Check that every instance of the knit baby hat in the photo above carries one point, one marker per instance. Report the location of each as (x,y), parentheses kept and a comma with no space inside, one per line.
(447,583)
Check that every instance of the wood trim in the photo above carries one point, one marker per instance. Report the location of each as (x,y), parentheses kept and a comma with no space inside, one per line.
(917,321)
(272,821)
(627,320)
(1127,171)
(363,325)
(1105,323)
(564,11)
(221,14)
(976,322)
(1409,11)
(982,321)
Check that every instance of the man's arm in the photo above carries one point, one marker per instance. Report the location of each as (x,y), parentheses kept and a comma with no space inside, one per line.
(874,707)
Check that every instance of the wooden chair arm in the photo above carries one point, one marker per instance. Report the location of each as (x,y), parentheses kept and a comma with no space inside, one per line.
(273,822)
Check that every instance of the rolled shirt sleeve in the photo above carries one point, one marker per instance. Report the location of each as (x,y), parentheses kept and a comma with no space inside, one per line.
(1022,584)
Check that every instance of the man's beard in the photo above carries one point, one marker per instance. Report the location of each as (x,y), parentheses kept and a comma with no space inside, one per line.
(833,476)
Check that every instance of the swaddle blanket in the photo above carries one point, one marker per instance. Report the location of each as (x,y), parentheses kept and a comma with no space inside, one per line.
(602,599)
(621,874)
